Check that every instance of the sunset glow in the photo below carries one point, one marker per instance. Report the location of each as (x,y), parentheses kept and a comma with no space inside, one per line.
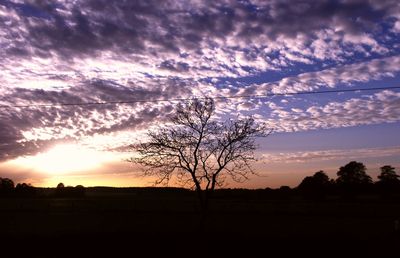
(65,159)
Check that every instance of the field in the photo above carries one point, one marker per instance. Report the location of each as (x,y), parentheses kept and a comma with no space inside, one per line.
(112,221)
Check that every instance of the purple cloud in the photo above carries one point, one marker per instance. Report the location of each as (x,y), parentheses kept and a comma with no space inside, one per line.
(97,51)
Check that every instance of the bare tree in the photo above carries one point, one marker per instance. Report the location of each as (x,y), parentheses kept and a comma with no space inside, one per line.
(199,150)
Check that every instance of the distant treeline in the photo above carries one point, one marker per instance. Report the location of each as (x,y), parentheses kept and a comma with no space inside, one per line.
(352,180)
(7,189)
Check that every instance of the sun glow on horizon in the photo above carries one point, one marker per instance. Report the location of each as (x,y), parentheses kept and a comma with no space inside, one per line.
(66,159)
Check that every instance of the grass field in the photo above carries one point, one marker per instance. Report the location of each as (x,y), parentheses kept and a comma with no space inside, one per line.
(161,222)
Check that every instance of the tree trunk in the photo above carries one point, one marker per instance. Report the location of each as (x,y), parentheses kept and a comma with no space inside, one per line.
(201,199)
(203,212)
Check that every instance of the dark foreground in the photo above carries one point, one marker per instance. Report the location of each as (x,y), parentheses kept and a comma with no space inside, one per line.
(165,223)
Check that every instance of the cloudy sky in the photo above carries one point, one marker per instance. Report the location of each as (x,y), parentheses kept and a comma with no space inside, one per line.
(83,51)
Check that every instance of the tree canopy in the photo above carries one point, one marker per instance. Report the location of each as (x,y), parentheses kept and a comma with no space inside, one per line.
(319,180)
(6,185)
(198,149)
(388,174)
(353,173)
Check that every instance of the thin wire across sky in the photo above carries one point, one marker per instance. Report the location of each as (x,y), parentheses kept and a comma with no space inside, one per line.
(259,96)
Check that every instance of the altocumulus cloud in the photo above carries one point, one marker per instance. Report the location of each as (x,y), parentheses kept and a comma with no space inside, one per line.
(382,107)
(308,156)
(91,51)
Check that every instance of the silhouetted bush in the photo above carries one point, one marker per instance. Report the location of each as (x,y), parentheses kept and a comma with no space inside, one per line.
(25,190)
(284,192)
(79,191)
(69,191)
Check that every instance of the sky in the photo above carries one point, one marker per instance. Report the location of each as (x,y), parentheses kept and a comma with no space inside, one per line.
(81,51)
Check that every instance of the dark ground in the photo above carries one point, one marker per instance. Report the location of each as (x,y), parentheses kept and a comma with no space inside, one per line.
(165,223)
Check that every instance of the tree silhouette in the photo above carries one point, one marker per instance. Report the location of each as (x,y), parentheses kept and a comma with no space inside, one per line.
(6,185)
(315,186)
(319,179)
(388,174)
(60,190)
(353,173)
(388,181)
(25,190)
(199,150)
(352,178)
(79,190)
